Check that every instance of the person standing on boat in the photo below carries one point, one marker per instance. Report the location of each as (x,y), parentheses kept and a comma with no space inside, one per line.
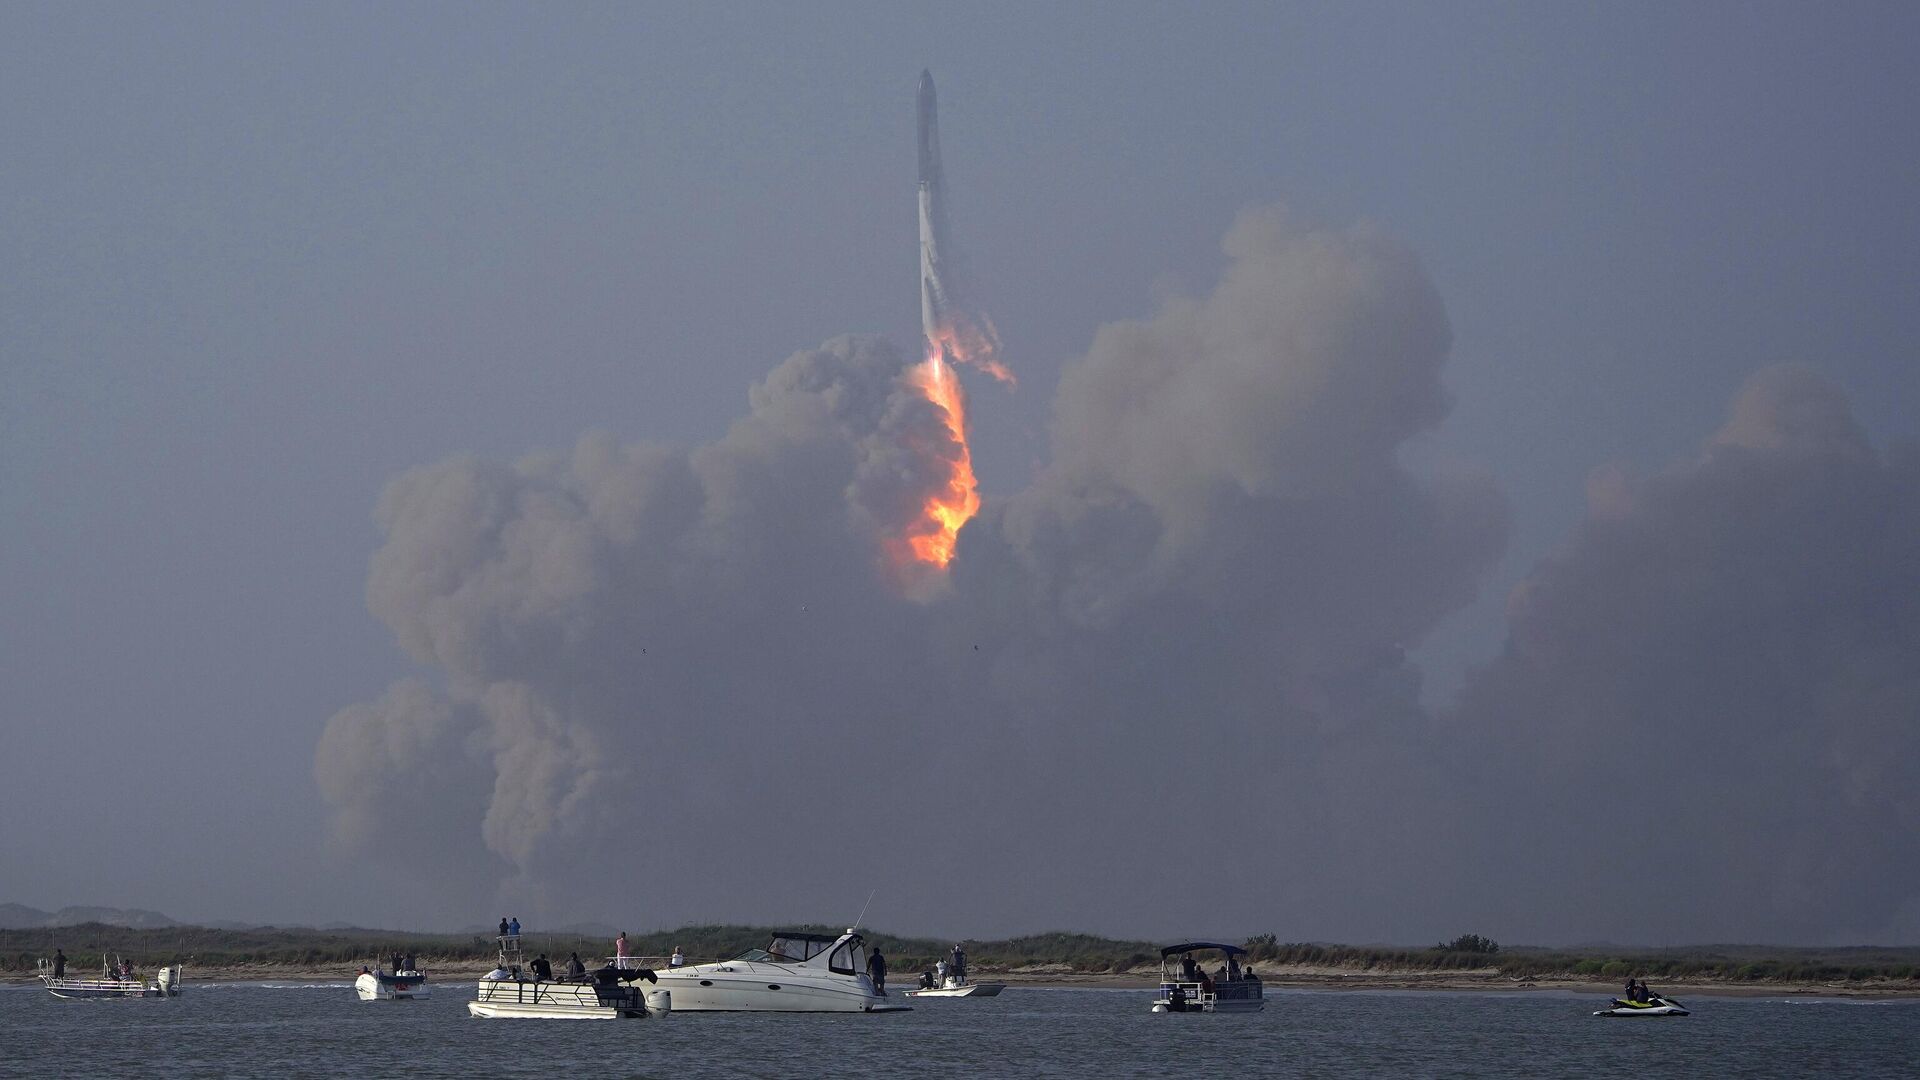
(877,970)
(411,964)
(677,959)
(940,971)
(958,963)
(620,951)
(59,963)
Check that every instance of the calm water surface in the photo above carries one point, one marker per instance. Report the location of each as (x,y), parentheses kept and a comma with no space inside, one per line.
(322,1029)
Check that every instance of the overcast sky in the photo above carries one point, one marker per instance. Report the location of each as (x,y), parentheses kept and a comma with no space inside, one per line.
(1446,434)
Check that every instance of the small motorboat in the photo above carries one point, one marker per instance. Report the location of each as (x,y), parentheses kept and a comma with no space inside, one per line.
(957,987)
(404,985)
(949,979)
(116,980)
(1653,1006)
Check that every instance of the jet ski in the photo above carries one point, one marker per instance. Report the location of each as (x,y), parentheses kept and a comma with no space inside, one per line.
(1653,1006)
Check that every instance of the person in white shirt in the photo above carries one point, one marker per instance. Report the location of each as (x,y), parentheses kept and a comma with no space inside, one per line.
(676,959)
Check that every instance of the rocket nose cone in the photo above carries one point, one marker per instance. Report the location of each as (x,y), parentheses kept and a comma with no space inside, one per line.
(926,84)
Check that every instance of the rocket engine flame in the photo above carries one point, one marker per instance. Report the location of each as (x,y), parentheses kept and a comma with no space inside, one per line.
(929,539)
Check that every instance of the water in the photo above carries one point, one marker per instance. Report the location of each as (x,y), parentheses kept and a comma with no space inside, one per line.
(319,1028)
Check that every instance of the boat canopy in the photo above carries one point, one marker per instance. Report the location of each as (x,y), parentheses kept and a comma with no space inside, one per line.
(1197,946)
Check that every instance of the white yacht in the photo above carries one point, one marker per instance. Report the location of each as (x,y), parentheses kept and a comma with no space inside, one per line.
(796,972)
(511,990)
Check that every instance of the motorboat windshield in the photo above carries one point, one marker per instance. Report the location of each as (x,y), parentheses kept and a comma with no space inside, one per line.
(846,954)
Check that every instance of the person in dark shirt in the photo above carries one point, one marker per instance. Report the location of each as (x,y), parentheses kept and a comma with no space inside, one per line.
(59,963)
(877,970)
(575,969)
(541,969)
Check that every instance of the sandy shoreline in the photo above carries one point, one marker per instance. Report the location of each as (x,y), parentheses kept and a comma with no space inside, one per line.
(1285,979)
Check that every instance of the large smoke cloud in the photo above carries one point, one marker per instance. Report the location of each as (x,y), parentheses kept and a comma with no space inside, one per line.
(1708,714)
(1171,668)
(696,659)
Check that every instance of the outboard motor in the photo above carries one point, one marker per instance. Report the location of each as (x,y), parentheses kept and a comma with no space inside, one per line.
(659,1002)
(167,977)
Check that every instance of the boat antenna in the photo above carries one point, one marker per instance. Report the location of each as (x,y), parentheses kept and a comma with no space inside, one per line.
(864,907)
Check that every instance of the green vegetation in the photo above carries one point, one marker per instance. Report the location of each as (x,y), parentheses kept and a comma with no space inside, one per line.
(1470,943)
(1075,953)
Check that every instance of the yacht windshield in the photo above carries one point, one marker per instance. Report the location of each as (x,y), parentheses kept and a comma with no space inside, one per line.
(789,949)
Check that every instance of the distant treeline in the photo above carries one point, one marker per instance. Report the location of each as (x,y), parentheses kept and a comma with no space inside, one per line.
(20,951)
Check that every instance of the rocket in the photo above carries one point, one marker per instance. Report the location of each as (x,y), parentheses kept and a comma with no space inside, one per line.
(934,298)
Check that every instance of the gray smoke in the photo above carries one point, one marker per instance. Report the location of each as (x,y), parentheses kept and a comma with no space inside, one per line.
(1171,666)
(1707,708)
(696,659)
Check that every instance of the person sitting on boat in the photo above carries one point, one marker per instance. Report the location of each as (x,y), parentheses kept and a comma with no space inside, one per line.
(575,969)
(678,959)
(541,969)
(926,980)
(59,963)
(1233,969)
(397,968)
(1206,983)
(411,965)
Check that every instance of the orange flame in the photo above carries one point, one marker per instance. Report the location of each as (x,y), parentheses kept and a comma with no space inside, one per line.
(931,538)
(926,544)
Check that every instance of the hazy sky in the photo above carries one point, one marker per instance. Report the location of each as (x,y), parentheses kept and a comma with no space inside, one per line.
(1462,476)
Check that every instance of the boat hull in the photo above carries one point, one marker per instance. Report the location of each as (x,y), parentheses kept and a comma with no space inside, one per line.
(964,990)
(1664,1008)
(752,987)
(1231,997)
